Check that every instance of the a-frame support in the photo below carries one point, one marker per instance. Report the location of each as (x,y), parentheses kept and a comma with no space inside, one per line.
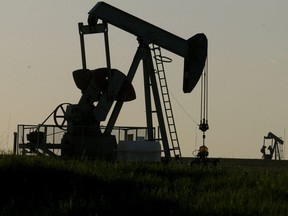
(150,86)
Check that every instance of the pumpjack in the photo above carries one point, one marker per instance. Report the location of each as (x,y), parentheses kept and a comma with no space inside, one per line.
(274,149)
(104,90)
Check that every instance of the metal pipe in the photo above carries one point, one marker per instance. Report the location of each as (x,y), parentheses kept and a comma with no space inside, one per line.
(82,44)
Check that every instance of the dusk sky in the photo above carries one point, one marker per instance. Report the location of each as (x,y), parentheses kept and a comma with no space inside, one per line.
(247,64)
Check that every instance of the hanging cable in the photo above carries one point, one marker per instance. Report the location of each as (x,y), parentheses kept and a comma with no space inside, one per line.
(183,109)
(203,126)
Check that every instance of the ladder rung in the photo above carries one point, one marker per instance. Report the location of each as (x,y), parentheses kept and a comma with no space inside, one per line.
(155,48)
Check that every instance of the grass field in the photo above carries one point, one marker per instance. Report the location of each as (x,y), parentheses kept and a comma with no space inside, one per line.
(46,186)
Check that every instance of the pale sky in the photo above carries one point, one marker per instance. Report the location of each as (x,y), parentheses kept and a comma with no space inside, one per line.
(247,61)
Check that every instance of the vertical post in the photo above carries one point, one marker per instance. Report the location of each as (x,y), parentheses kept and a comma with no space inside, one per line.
(108,60)
(83,56)
(15,149)
(149,120)
(150,70)
(107,49)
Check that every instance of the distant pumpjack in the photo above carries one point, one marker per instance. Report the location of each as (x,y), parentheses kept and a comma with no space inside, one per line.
(273,147)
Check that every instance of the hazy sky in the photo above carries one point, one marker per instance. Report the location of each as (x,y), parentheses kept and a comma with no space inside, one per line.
(247,61)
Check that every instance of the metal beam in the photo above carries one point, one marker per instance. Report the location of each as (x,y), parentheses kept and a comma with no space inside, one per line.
(140,28)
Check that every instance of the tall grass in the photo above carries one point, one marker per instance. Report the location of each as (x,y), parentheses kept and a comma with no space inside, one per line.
(47,186)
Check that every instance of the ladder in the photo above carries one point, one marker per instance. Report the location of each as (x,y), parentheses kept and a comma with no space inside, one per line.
(160,72)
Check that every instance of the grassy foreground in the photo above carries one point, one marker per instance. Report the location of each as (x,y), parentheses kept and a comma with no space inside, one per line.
(46,186)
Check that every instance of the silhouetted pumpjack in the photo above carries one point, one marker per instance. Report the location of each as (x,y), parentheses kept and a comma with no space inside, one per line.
(273,148)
